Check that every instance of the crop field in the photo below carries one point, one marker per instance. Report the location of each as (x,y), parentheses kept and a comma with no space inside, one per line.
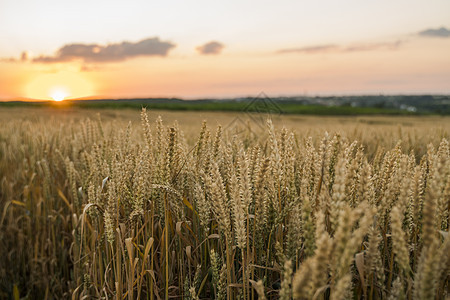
(117,204)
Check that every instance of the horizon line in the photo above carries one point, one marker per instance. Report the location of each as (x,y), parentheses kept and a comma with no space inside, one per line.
(111,98)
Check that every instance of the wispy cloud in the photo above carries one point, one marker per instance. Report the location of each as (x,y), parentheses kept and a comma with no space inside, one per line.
(310,49)
(373,46)
(108,53)
(211,48)
(23,58)
(90,68)
(337,48)
(9,59)
(439,32)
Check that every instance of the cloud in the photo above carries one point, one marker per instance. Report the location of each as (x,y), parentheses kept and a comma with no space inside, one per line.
(110,53)
(336,48)
(90,68)
(211,48)
(23,58)
(440,32)
(311,49)
(9,59)
(373,46)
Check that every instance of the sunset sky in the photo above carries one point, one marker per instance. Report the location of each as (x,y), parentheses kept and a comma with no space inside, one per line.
(194,49)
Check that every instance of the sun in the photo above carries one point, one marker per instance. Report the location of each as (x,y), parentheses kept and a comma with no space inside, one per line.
(59,93)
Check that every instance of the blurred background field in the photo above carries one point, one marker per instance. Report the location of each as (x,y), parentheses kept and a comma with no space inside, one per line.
(415,132)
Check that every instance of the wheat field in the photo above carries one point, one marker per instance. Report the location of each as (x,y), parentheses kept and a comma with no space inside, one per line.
(122,205)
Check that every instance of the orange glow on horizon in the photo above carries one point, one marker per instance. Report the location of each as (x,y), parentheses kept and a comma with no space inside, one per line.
(59,86)
(232,74)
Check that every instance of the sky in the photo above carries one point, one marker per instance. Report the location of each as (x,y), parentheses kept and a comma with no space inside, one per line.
(59,49)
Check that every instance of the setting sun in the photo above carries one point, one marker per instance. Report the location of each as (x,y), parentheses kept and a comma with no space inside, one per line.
(59,93)
(59,86)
